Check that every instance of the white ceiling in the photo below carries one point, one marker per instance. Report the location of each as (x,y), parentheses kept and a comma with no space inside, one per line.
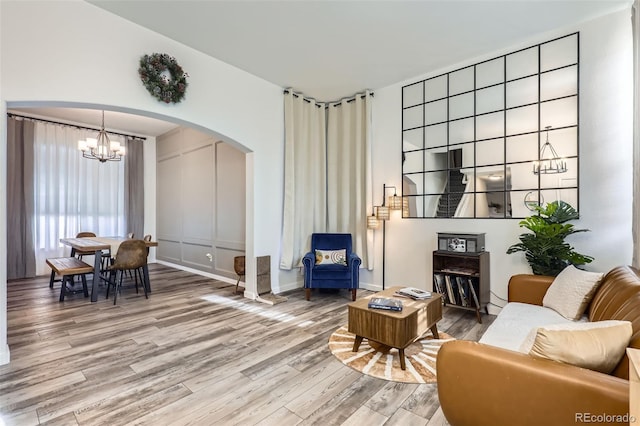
(333,49)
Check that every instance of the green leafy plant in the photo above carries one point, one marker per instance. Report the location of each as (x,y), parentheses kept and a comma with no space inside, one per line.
(545,248)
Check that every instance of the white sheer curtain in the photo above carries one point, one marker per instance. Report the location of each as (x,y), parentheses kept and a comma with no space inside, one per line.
(72,193)
(349,190)
(636,132)
(305,202)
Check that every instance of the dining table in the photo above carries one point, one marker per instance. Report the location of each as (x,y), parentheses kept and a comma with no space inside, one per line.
(98,245)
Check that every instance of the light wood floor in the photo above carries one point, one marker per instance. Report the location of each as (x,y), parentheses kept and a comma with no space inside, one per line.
(195,353)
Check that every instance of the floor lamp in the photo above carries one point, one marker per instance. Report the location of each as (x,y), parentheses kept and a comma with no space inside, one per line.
(383,213)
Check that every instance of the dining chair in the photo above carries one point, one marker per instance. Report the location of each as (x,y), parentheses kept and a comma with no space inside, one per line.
(130,235)
(79,253)
(106,254)
(131,256)
(139,272)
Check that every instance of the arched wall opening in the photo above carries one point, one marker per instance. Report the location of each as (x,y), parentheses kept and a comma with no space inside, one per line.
(153,194)
(150,161)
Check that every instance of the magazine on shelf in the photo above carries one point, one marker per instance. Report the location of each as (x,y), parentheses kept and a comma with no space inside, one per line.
(438,284)
(385,303)
(464,300)
(443,289)
(451,296)
(472,290)
(414,293)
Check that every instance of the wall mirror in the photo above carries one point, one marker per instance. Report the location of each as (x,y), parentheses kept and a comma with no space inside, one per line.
(494,139)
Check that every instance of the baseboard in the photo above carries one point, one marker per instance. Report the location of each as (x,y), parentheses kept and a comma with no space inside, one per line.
(281,289)
(371,287)
(247,294)
(4,355)
(299,285)
(197,272)
(288,287)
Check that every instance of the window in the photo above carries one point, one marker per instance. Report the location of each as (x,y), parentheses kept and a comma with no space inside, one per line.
(72,193)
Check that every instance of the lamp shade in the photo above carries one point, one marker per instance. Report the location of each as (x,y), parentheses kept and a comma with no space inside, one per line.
(383,213)
(395,202)
(372,222)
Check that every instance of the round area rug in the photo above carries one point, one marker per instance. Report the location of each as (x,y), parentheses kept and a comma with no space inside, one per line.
(383,362)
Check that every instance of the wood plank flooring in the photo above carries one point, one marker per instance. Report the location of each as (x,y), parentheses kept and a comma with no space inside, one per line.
(195,353)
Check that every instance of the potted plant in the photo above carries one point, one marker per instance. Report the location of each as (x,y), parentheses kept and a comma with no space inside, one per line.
(545,248)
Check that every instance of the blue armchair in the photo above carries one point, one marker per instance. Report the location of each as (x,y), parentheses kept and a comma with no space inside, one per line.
(331,264)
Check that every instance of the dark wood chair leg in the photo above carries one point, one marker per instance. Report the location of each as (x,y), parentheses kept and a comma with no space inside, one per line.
(135,274)
(308,293)
(353,294)
(117,286)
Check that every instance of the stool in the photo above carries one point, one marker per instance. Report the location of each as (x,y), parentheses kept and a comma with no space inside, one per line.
(238,266)
(67,267)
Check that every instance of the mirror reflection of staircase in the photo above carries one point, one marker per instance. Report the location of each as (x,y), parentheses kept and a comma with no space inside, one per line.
(448,203)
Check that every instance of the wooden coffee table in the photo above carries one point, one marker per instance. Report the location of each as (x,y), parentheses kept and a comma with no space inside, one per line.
(391,328)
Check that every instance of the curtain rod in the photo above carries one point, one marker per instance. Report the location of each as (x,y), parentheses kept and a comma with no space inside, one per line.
(10,114)
(335,103)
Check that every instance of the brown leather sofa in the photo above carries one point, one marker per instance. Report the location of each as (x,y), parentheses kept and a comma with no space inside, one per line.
(484,385)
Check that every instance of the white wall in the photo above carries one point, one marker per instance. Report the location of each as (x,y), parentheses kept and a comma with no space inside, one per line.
(605,169)
(71,53)
(200,206)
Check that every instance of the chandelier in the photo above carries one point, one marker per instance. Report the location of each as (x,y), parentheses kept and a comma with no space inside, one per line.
(550,162)
(101,148)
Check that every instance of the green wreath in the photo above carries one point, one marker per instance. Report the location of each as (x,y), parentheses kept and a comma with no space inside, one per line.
(152,73)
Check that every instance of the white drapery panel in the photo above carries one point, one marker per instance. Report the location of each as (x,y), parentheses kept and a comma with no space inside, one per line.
(635,17)
(72,193)
(305,202)
(349,174)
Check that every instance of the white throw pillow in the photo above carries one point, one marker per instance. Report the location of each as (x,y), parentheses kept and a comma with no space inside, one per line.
(571,291)
(331,257)
(597,345)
